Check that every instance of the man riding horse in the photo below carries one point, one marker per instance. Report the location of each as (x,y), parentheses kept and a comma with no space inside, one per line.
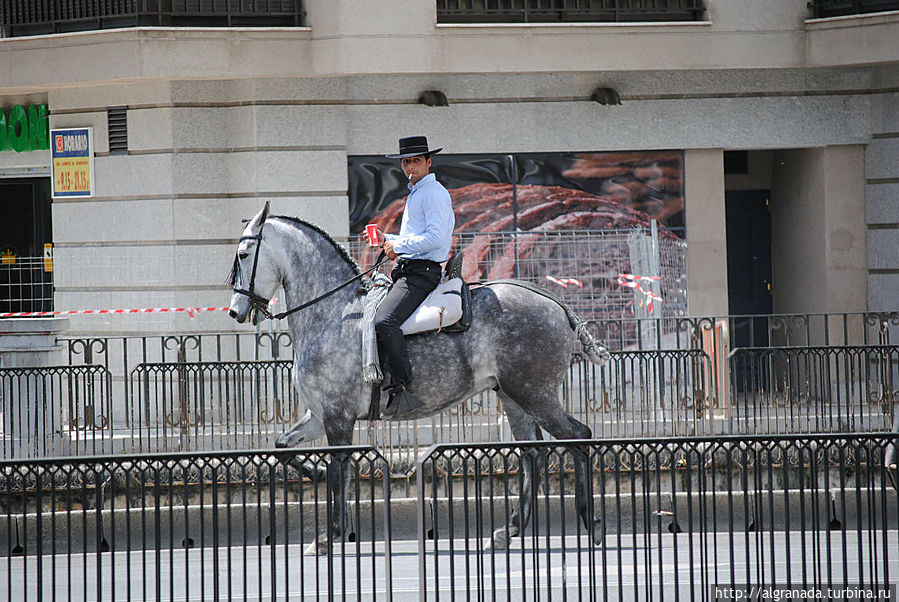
(421,246)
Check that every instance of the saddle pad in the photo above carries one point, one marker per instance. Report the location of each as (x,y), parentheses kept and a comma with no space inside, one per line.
(439,309)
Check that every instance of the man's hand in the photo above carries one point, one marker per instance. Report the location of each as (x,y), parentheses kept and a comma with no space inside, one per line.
(388,248)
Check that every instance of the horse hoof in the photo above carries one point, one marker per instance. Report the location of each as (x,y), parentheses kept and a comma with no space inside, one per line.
(316,548)
(502,538)
(598,532)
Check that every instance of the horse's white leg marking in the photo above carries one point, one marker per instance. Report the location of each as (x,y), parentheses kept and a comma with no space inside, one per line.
(309,428)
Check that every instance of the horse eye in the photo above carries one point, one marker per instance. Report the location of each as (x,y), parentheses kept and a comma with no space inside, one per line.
(243,254)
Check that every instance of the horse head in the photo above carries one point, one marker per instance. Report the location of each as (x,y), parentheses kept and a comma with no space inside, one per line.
(254,275)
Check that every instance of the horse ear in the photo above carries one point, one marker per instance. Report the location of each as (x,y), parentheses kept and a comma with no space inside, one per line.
(257,221)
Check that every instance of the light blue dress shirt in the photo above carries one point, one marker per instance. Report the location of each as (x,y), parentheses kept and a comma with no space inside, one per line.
(426,231)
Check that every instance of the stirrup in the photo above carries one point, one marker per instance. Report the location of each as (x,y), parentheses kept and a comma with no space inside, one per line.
(401,402)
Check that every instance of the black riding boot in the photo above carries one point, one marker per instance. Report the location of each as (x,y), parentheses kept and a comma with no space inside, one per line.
(402,401)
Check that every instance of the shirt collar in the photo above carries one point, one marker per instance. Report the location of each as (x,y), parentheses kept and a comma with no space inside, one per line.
(422,182)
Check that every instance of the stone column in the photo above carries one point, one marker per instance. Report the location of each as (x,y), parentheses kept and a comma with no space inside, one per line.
(28,416)
(706,232)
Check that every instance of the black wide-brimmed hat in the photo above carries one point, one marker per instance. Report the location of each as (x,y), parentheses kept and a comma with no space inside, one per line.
(413,146)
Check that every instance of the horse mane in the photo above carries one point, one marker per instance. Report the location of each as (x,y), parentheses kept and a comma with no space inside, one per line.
(341,250)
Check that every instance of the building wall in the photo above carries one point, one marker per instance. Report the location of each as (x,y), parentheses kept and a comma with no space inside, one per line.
(818,237)
(219,121)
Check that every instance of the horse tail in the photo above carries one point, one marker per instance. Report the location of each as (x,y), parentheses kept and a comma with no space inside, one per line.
(595,352)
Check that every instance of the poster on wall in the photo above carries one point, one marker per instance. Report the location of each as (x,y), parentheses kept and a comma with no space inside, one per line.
(72,162)
(564,220)
(619,188)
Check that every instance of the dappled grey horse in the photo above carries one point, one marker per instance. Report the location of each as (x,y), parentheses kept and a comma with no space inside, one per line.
(519,344)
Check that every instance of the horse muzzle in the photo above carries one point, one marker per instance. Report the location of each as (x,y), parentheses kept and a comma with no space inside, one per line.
(240,308)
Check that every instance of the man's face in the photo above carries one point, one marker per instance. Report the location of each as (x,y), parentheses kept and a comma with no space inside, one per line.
(416,167)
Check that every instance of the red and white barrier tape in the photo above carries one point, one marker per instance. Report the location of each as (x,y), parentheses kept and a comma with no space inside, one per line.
(564,282)
(633,281)
(191,311)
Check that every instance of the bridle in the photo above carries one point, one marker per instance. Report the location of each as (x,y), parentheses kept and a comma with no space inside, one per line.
(256,302)
(260,304)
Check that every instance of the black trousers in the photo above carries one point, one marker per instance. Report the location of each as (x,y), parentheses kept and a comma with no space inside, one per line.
(413,280)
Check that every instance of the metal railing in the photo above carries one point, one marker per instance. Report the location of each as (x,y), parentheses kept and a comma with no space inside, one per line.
(637,519)
(226,391)
(839,8)
(235,391)
(542,11)
(26,284)
(55,410)
(33,17)
(666,519)
(813,389)
(195,526)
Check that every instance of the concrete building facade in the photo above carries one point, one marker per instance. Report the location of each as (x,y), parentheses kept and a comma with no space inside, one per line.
(219,120)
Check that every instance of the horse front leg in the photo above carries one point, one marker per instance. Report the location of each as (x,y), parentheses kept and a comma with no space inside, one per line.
(339,431)
(523,428)
(308,428)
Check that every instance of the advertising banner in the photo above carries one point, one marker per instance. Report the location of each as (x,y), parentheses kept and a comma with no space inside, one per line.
(604,230)
(72,153)
(614,190)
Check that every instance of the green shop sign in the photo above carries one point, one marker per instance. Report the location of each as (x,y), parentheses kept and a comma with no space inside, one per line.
(24,129)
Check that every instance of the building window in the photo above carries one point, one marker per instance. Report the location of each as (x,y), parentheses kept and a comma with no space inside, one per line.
(52,16)
(549,11)
(839,8)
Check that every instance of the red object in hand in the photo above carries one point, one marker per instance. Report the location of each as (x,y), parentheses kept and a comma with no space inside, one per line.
(371,230)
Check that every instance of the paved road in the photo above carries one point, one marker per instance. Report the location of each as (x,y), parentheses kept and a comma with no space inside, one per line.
(656,567)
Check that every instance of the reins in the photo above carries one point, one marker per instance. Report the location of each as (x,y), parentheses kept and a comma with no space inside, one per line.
(382,258)
(261,303)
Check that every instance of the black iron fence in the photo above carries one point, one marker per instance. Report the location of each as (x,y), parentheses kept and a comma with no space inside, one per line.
(618,519)
(210,405)
(672,519)
(32,17)
(814,389)
(677,377)
(50,411)
(839,8)
(802,389)
(543,11)
(195,526)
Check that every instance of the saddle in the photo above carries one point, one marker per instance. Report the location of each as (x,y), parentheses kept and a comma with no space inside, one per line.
(453,271)
(447,308)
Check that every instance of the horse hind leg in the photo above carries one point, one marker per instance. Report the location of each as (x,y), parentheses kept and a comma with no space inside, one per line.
(549,414)
(524,428)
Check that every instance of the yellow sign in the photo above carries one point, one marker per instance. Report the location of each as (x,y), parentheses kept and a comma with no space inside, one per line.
(48,257)
(7,257)
(72,151)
